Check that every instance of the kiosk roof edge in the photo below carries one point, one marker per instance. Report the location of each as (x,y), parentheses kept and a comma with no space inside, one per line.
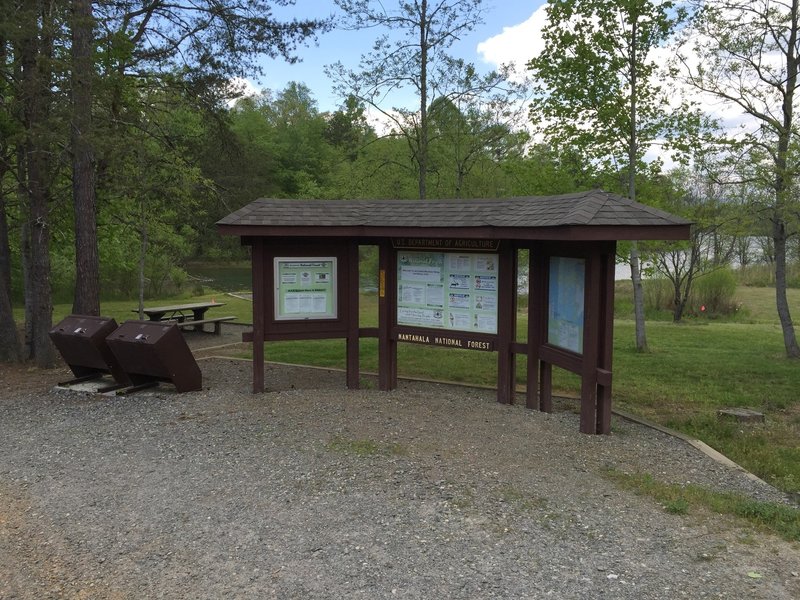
(609,216)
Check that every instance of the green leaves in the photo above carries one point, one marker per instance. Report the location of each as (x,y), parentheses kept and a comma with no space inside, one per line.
(412,54)
(595,79)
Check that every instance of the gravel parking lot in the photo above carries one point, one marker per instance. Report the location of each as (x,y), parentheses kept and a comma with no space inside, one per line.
(313,491)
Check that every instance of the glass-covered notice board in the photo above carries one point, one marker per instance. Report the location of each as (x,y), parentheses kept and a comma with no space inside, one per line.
(305,288)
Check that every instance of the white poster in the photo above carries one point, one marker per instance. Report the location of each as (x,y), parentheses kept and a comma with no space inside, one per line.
(486,283)
(420,316)
(453,290)
(460,281)
(459,262)
(412,294)
(421,274)
(435,295)
(459,301)
(486,263)
(486,302)
(459,320)
(486,323)
(305,288)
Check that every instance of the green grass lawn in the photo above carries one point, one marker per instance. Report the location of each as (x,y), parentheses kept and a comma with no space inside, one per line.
(759,303)
(123,310)
(691,371)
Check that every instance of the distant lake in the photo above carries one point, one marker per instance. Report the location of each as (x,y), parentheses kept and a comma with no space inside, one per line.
(225,277)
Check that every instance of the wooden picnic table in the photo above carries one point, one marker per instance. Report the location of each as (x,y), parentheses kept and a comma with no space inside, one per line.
(179,312)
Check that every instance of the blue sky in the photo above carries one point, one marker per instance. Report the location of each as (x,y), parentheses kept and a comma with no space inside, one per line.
(506,35)
(510,34)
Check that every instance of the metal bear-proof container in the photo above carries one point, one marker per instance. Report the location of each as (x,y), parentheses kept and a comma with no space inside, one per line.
(149,352)
(81,340)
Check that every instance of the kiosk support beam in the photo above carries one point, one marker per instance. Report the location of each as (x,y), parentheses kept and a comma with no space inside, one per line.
(353,371)
(606,342)
(506,326)
(592,301)
(537,287)
(259,309)
(387,294)
(546,387)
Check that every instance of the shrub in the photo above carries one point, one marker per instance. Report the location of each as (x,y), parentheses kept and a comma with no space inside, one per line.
(762,275)
(715,290)
(659,294)
(623,299)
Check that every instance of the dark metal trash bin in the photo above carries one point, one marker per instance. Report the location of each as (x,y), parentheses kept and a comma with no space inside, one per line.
(81,340)
(150,352)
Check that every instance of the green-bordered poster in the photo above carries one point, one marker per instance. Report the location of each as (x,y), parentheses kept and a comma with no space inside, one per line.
(447,290)
(565,314)
(305,288)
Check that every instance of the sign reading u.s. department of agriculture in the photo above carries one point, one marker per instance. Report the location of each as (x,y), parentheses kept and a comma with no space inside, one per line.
(454,291)
(305,288)
(465,245)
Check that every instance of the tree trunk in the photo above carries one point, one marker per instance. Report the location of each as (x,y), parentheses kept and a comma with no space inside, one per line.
(681,299)
(636,274)
(678,300)
(87,262)
(5,246)
(638,299)
(782,302)
(39,232)
(25,251)
(35,56)
(422,150)
(783,184)
(41,294)
(9,340)
(677,312)
(142,256)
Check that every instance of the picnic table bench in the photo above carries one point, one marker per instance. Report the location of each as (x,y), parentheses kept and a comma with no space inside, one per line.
(187,315)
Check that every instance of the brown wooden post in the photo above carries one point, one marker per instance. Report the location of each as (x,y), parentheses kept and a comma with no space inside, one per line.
(506,323)
(545,368)
(545,387)
(391,301)
(387,289)
(352,316)
(536,334)
(606,340)
(259,273)
(591,318)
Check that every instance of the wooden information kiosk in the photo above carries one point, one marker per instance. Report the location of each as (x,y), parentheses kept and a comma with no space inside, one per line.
(448,277)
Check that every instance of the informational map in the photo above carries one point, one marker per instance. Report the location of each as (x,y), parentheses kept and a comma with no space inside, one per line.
(448,290)
(305,288)
(565,313)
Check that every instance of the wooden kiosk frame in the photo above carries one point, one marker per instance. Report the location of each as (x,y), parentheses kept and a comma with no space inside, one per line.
(316,295)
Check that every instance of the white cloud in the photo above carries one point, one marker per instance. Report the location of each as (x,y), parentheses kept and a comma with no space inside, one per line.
(240,87)
(517,44)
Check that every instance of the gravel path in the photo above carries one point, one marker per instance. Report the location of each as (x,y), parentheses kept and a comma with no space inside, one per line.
(312,491)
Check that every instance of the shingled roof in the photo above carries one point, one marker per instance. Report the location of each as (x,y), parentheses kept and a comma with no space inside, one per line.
(593,215)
